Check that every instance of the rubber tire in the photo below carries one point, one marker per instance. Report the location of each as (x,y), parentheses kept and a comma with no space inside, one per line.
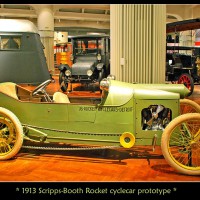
(64,87)
(63,84)
(165,141)
(101,75)
(19,133)
(194,107)
(62,74)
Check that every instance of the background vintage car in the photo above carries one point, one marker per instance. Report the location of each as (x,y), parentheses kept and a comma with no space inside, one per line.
(91,61)
(182,61)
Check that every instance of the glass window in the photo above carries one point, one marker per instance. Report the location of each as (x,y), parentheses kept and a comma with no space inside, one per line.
(88,45)
(8,42)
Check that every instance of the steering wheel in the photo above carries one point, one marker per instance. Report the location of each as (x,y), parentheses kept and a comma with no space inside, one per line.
(42,90)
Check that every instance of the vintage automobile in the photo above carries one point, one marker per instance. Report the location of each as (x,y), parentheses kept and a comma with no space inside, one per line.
(22,53)
(91,61)
(125,115)
(182,67)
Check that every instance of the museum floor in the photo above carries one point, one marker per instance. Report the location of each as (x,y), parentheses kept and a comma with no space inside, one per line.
(135,164)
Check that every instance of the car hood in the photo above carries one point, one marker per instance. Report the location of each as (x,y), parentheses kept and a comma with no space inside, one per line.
(81,68)
(120,93)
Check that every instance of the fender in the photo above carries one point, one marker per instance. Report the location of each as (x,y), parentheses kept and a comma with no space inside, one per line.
(63,67)
(100,66)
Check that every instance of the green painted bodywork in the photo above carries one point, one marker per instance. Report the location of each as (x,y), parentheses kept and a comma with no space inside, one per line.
(99,124)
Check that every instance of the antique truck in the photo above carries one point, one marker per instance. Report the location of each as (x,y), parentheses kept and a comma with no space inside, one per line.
(91,61)
(21,53)
(126,115)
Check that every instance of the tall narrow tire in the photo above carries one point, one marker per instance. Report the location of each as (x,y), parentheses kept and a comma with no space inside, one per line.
(189,106)
(180,143)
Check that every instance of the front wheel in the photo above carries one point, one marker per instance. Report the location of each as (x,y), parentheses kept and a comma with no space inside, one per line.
(61,77)
(63,81)
(101,75)
(180,143)
(11,134)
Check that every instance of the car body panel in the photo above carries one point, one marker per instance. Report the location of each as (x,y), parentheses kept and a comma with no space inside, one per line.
(81,68)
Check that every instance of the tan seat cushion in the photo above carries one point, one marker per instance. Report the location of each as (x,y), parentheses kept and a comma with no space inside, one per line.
(9,88)
(59,97)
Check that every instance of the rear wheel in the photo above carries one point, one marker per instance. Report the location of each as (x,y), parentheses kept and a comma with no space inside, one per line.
(11,134)
(187,80)
(180,143)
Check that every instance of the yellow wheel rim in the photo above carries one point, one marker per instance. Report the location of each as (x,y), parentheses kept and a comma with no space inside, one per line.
(127,140)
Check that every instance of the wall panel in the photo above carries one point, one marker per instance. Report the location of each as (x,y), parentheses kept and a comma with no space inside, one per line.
(138,39)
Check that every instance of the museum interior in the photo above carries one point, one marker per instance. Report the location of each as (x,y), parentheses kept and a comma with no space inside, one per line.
(100,92)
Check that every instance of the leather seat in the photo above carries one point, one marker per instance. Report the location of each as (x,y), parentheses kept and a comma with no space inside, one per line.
(59,97)
(9,88)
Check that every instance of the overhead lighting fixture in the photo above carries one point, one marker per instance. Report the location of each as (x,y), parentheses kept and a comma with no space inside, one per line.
(93,33)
